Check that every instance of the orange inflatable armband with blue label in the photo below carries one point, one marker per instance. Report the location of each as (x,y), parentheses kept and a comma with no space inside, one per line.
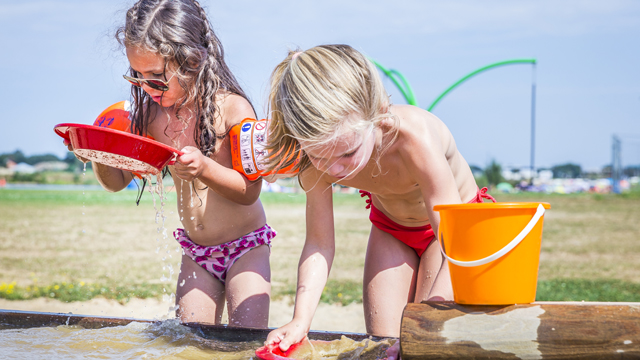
(248,140)
(116,117)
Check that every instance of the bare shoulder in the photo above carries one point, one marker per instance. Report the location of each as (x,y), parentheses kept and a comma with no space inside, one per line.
(413,117)
(233,108)
(417,126)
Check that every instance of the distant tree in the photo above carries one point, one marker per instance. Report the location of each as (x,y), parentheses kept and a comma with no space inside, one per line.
(481,181)
(32,160)
(493,173)
(74,163)
(632,171)
(567,171)
(538,170)
(17,157)
(476,170)
(593,174)
(70,158)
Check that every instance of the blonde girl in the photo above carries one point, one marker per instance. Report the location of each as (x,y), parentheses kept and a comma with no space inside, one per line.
(329,103)
(184,95)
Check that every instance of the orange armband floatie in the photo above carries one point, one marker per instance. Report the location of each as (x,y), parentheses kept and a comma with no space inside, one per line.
(116,117)
(248,141)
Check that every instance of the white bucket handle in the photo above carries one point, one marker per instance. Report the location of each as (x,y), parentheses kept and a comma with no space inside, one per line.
(501,252)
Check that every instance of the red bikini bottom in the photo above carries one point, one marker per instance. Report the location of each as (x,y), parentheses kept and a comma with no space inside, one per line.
(418,238)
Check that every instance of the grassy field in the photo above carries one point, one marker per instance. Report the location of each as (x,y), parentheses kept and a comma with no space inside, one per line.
(72,245)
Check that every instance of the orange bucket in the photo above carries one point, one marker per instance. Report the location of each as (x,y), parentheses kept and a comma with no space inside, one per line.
(493,251)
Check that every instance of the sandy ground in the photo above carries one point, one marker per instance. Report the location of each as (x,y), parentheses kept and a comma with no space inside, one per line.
(327,318)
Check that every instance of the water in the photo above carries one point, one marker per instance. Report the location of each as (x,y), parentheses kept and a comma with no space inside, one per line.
(117,161)
(342,349)
(164,340)
(84,195)
(163,241)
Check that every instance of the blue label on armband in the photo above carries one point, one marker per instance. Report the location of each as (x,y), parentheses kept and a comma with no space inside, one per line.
(246,127)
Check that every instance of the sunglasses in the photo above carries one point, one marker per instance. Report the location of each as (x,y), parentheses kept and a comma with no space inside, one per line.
(155,84)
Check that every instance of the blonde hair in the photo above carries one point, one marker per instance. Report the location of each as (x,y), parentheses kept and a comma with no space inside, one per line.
(313,92)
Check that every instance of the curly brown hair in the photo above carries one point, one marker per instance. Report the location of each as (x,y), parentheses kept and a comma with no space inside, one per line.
(179,31)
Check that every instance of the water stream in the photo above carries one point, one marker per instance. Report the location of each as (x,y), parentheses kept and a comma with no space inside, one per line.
(164,243)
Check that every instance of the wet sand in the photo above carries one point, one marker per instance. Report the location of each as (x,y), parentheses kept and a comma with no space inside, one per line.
(348,318)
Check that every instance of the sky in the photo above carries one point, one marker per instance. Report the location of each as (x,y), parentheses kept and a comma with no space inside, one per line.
(61,63)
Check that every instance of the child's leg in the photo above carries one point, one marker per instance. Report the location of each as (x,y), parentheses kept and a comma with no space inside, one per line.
(434,282)
(200,297)
(248,288)
(389,282)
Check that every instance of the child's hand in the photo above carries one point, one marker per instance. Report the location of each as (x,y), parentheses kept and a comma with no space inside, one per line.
(67,143)
(190,165)
(285,336)
(393,352)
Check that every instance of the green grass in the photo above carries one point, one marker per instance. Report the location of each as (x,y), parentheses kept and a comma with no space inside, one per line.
(79,291)
(75,197)
(589,250)
(270,198)
(342,292)
(99,197)
(587,290)
(345,292)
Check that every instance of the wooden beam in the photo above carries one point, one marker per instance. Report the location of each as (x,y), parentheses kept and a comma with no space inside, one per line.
(542,330)
(15,319)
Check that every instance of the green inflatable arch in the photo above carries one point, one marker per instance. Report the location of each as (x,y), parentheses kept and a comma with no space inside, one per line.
(476,72)
(403,85)
(400,82)
(405,88)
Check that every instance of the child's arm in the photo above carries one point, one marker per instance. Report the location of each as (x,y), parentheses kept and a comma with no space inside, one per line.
(425,151)
(425,142)
(111,179)
(315,261)
(223,180)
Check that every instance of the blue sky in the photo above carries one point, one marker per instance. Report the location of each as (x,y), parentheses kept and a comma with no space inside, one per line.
(61,63)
